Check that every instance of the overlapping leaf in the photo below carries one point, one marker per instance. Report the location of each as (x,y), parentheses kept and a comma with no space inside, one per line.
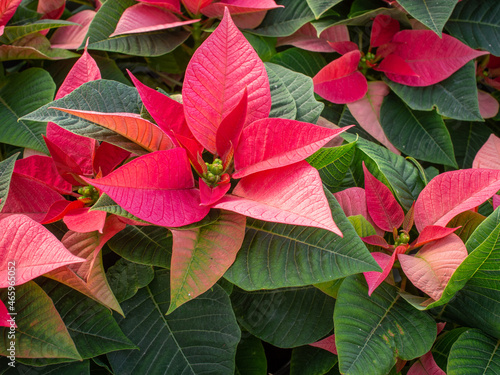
(6,170)
(432,14)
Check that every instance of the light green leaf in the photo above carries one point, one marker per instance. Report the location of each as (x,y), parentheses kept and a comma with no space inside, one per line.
(292,95)
(371,332)
(285,318)
(145,44)
(279,255)
(333,164)
(455,97)
(321,6)
(432,14)
(126,278)
(148,245)
(12,33)
(285,21)
(474,353)
(200,336)
(422,135)
(299,60)
(362,226)
(477,24)
(38,335)
(38,89)
(6,169)
(100,96)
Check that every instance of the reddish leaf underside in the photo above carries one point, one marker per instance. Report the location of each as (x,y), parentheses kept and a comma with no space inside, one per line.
(51,9)
(215,79)
(385,261)
(307,38)
(340,82)
(353,202)
(83,221)
(130,125)
(383,30)
(66,166)
(32,247)
(59,209)
(451,193)
(426,365)
(229,131)
(432,233)
(274,143)
(210,195)
(194,6)
(366,111)
(432,58)
(432,267)
(5,318)
(327,343)
(42,169)
(394,64)
(290,195)
(376,240)
(200,256)
(142,18)
(29,197)
(488,155)
(107,157)
(496,201)
(488,105)
(172,5)
(157,187)
(381,204)
(72,37)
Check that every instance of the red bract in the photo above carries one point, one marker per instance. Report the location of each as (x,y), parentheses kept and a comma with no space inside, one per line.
(7,10)
(307,38)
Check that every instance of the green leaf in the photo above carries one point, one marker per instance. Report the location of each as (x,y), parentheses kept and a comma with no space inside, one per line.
(308,360)
(148,245)
(265,47)
(330,288)
(126,278)
(468,138)
(475,285)
(321,6)
(200,336)
(6,170)
(468,221)
(285,21)
(432,14)
(40,331)
(90,324)
(155,43)
(299,60)
(70,368)
(371,332)
(476,23)
(12,33)
(33,46)
(442,346)
(106,204)
(455,97)
(292,95)
(400,175)
(37,90)
(422,135)
(285,318)
(362,226)
(250,356)
(474,353)
(333,164)
(99,96)
(364,17)
(279,255)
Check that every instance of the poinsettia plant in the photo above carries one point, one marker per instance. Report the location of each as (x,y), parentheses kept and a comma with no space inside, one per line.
(249,187)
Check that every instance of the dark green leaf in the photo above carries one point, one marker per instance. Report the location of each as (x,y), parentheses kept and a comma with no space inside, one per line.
(37,90)
(298,60)
(199,337)
(264,46)
(285,318)
(99,96)
(474,353)
(467,138)
(250,356)
(292,95)
(330,287)
(148,245)
(70,368)
(393,170)
(422,135)
(279,255)
(126,278)
(333,164)
(443,344)
(432,14)
(321,6)
(308,360)
(455,97)
(477,24)
(285,21)
(371,332)
(6,169)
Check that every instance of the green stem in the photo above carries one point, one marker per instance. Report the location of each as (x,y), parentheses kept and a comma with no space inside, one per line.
(197,35)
